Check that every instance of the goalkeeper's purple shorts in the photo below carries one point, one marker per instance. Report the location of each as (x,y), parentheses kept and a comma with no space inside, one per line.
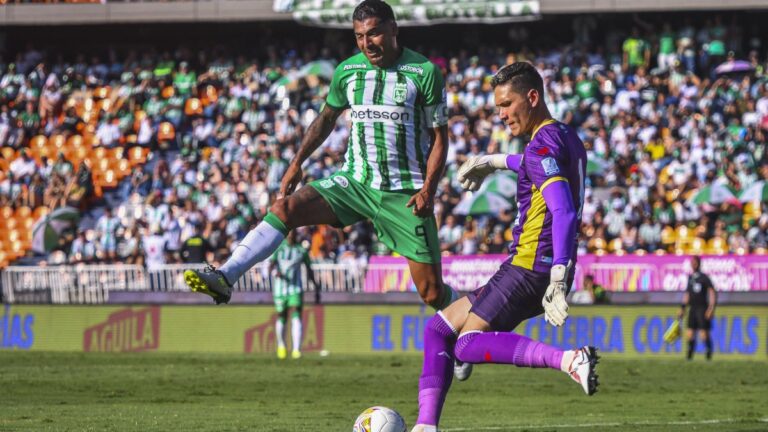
(511,296)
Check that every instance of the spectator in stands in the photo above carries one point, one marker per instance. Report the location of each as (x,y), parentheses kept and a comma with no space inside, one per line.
(106,229)
(154,246)
(23,168)
(196,248)
(82,249)
(450,235)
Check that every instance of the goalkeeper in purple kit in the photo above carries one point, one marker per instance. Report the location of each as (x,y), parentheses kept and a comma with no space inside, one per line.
(539,271)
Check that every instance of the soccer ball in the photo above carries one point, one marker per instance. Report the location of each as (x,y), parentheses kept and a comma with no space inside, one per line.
(379,419)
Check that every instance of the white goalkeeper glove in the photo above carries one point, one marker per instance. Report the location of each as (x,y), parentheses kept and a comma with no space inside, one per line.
(476,168)
(555,306)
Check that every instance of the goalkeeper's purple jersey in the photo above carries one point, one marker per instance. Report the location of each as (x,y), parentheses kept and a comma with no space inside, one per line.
(555,153)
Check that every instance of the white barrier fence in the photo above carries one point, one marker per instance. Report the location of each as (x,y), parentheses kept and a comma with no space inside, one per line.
(88,284)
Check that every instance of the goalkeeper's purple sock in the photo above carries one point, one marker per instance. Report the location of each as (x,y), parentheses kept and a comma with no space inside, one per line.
(437,372)
(507,348)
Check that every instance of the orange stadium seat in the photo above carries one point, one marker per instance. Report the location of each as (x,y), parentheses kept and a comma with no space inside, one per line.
(104,105)
(668,236)
(57,143)
(137,155)
(123,168)
(110,179)
(14,234)
(8,153)
(117,153)
(16,249)
(717,246)
(101,92)
(616,246)
(23,212)
(40,212)
(193,107)
(37,143)
(597,243)
(75,141)
(99,153)
(697,246)
(168,92)
(6,212)
(166,132)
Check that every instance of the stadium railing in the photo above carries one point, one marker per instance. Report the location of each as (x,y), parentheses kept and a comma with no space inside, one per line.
(92,284)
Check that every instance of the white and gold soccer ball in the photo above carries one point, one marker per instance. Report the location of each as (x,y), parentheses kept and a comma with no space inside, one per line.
(379,419)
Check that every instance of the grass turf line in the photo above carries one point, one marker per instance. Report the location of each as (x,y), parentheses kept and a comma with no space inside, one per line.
(140,392)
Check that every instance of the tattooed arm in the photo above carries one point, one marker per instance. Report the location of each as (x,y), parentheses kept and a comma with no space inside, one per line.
(316,134)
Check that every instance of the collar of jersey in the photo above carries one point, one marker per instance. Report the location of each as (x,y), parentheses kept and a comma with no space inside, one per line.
(541,125)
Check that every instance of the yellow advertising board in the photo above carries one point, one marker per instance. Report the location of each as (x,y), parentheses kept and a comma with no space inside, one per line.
(738,331)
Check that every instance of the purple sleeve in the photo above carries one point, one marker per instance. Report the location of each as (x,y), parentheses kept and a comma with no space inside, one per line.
(513,162)
(558,198)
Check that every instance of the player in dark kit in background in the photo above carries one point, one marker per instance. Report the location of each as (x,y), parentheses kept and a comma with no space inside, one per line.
(701,296)
(537,275)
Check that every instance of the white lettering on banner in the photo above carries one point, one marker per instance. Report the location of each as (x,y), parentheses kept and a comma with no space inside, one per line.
(380,113)
(727,274)
(469,274)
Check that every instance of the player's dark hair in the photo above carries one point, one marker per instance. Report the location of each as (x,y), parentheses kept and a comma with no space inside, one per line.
(522,76)
(373,9)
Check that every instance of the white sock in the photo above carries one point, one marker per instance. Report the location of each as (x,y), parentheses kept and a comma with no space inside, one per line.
(279,333)
(568,356)
(424,428)
(257,246)
(296,332)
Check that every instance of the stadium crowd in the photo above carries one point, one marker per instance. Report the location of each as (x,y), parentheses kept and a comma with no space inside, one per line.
(174,156)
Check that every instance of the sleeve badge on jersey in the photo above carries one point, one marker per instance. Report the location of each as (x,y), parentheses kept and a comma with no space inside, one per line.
(550,166)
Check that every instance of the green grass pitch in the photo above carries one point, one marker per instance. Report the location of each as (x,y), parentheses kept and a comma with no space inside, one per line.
(194,392)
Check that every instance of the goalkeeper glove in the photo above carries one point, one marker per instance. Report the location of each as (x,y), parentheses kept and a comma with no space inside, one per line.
(555,306)
(476,168)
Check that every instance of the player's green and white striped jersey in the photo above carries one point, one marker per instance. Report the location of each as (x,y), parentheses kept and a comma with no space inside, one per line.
(288,259)
(392,111)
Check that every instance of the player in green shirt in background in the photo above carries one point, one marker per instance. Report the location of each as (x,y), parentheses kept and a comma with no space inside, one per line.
(287,291)
(395,158)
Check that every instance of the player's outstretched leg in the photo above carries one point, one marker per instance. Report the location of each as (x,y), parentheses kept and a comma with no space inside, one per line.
(437,372)
(257,246)
(512,348)
(209,281)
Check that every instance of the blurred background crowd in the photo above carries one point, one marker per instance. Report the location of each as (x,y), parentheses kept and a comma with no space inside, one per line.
(165,156)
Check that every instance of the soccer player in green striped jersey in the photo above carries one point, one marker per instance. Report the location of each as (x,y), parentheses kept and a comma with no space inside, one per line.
(395,158)
(287,291)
